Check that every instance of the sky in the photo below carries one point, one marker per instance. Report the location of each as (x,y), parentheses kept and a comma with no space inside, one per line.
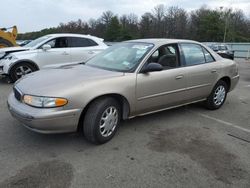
(34,15)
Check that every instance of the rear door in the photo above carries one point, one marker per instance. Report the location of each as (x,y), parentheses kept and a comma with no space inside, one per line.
(59,52)
(82,49)
(202,70)
(162,89)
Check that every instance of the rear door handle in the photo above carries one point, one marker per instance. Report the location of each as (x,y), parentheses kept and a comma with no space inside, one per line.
(179,77)
(65,53)
(213,71)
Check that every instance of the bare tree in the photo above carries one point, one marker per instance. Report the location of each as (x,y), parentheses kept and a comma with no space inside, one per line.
(146,25)
(202,24)
(106,17)
(176,22)
(158,20)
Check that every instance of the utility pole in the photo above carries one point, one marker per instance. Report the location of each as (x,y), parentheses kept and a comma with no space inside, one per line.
(226,22)
(225,30)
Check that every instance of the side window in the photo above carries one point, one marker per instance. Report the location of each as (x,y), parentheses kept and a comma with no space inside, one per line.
(61,42)
(52,43)
(82,42)
(209,58)
(167,56)
(193,54)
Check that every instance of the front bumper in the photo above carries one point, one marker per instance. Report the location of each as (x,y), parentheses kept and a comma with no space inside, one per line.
(5,66)
(50,120)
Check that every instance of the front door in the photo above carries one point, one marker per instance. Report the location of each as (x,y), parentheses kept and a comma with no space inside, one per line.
(162,89)
(59,52)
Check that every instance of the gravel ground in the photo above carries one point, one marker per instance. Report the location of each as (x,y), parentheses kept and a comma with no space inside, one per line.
(184,147)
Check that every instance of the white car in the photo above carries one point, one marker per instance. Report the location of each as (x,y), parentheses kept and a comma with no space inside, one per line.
(50,49)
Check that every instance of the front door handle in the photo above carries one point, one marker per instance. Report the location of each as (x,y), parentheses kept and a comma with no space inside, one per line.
(179,77)
(213,71)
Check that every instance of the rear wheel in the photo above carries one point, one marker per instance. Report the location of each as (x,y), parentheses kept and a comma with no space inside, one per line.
(218,96)
(20,70)
(101,120)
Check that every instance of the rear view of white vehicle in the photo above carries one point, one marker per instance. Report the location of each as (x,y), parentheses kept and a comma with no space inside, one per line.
(47,50)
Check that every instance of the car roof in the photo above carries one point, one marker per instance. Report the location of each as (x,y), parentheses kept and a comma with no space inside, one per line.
(74,35)
(159,41)
(162,41)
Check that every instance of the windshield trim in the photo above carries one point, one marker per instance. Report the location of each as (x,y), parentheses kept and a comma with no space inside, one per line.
(104,68)
(40,43)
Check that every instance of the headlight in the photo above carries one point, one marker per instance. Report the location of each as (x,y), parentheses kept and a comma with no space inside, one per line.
(10,57)
(44,102)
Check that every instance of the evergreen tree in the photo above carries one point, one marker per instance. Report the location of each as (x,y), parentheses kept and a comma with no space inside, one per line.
(113,32)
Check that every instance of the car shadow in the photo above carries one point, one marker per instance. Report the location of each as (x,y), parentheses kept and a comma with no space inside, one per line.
(4,81)
(163,115)
(76,141)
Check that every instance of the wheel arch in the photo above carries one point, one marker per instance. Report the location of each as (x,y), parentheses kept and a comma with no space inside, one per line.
(227,80)
(23,61)
(125,106)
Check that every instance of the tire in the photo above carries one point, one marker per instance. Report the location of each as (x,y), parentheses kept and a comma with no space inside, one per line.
(5,43)
(97,130)
(214,102)
(21,69)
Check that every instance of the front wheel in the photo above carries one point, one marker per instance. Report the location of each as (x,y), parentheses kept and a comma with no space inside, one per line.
(20,70)
(101,120)
(218,96)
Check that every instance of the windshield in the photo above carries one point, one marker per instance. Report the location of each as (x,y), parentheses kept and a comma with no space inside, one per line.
(37,41)
(123,57)
(219,47)
(222,47)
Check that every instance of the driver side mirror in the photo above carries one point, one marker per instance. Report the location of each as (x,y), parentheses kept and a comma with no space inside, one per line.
(46,47)
(152,67)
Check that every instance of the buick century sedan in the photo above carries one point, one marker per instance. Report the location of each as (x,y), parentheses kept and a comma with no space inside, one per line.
(128,79)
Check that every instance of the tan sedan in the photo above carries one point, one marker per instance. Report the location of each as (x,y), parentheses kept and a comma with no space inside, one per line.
(128,79)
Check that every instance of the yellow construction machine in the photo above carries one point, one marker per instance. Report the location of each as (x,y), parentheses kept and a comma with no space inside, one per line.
(7,37)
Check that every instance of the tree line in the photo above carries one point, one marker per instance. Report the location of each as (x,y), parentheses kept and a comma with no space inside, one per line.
(202,24)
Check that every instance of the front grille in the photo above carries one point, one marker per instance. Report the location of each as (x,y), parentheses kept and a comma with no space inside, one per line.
(18,94)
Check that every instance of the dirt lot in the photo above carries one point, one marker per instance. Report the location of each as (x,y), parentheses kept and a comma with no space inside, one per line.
(185,147)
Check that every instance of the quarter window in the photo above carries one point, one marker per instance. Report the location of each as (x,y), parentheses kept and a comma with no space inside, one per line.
(209,58)
(82,42)
(193,54)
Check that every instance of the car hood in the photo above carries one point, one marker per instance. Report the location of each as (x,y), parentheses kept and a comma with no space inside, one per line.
(5,51)
(62,80)
(13,49)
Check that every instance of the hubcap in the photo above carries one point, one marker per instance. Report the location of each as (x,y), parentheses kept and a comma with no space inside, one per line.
(22,70)
(108,121)
(219,95)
